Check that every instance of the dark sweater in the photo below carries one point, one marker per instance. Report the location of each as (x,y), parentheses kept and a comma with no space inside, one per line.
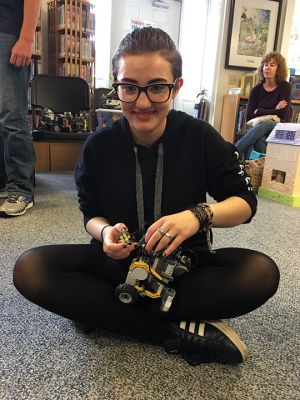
(197,160)
(265,102)
(11,16)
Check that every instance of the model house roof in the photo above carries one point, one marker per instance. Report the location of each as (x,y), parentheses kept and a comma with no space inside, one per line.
(285,133)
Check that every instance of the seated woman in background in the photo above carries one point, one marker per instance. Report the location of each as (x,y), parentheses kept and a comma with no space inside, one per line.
(270,97)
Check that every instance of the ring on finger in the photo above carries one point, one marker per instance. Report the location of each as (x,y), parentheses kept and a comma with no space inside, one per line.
(169,236)
(161,232)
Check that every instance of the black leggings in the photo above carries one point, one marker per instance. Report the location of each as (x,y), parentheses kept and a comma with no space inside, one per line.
(78,281)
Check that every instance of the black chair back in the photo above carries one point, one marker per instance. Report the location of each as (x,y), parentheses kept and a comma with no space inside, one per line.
(60,93)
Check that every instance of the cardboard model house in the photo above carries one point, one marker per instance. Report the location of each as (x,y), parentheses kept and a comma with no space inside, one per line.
(281,176)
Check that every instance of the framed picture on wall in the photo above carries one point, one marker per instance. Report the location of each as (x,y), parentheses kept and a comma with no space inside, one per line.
(295,84)
(252,32)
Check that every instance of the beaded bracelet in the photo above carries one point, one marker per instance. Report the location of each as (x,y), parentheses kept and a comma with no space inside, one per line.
(205,216)
(101,233)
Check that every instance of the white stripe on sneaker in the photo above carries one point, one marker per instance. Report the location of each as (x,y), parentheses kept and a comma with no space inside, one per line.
(183,325)
(201,329)
(192,327)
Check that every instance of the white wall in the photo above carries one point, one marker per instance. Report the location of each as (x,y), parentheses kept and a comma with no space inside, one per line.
(124,11)
(199,38)
(192,51)
(103,11)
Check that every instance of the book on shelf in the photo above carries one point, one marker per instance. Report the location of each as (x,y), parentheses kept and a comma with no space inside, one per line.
(37,120)
(248,81)
(70,16)
(241,119)
(86,71)
(35,67)
(88,20)
(295,117)
(73,45)
(37,43)
(66,16)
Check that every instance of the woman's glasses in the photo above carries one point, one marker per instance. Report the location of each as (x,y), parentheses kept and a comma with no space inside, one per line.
(156,92)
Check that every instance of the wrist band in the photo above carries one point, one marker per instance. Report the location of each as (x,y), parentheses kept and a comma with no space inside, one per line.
(205,216)
(101,234)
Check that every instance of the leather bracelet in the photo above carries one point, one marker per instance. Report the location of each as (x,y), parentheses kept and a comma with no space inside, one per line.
(101,234)
(204,214)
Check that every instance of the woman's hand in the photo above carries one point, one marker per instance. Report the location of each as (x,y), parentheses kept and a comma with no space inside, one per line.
(112,245)
(281,104)
(170,231)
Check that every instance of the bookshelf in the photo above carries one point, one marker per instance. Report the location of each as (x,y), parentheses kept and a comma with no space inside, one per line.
(36,66)
(233,121)
(36,59)
(71,39)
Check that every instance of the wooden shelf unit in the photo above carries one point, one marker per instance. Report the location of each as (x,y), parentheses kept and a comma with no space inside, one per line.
(233,123)
(71,39)
(36,66)
(36,58)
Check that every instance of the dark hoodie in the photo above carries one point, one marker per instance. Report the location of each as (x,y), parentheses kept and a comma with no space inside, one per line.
(196,161)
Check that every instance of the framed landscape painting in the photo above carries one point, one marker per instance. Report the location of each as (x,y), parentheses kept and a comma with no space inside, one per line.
(252,32)
(295,85)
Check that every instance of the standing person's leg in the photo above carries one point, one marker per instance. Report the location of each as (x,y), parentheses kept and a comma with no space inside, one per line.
(19,151)
(3,176)
(253,135)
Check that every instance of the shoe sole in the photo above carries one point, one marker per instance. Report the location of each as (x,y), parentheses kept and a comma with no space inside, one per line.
(232,336)
(10,214)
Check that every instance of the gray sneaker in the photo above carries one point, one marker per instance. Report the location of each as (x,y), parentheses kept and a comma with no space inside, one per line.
(16,204)
(3,193)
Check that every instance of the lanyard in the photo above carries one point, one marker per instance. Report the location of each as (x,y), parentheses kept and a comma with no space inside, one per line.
(140,192)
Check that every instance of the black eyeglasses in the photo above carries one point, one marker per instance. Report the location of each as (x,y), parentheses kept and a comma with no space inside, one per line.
(156,92)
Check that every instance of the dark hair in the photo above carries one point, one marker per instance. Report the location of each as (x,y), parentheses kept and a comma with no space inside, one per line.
(148,40)
(282,71)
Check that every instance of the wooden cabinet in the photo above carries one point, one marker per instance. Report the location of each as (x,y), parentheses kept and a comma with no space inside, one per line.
(71,39)
(57,156)
(233,122)
(231,103)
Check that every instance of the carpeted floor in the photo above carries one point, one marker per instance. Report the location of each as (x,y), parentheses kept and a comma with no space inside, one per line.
(46,357)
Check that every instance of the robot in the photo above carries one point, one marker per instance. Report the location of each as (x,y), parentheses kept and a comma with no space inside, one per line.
(151,275)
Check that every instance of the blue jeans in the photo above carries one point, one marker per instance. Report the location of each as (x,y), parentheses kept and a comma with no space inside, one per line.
(3,176)
(15,139)
(255,138)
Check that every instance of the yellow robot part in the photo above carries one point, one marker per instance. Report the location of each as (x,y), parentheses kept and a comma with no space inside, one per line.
(145,266)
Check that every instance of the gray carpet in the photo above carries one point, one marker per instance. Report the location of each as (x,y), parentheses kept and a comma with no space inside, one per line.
(45,357)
